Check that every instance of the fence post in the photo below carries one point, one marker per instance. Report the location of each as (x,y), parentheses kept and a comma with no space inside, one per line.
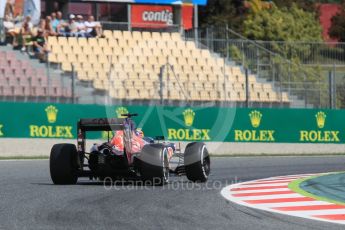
(305,91)
(224,85)
(161,86)
(207,38)
(2,32)
(320,91)
(73,85)
(227,43)
(129,12)
(213,40)
(273,73)
(243,57)
(48,75)
(280,84)
(196,25)
(289,76)
(334,87)
(257,62)
(247,87)
(331,87)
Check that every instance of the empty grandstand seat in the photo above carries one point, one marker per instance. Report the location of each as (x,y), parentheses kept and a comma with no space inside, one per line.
(7,90)
(138,56)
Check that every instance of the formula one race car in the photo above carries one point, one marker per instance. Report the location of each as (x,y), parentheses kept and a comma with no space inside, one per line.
(127,154)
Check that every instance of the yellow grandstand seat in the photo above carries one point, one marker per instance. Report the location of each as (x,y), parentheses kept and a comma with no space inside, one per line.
(108,34)
(127,35)
(117,34)
(139,56)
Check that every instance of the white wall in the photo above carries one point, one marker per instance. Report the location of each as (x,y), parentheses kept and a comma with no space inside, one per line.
(41,147)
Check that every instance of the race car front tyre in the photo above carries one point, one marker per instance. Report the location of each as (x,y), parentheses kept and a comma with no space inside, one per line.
(154,164)
(63,164)
(197,162)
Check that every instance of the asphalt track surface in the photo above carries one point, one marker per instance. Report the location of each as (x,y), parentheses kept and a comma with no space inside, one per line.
(29,200)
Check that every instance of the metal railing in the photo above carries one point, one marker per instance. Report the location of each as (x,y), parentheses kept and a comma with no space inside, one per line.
(310,71)
(2,31)
(127,26)
(313,53)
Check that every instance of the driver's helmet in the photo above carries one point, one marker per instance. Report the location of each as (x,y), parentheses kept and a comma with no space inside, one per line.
(139,132)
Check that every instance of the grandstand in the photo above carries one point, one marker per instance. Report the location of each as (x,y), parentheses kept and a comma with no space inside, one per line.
(23,81)
(127,65)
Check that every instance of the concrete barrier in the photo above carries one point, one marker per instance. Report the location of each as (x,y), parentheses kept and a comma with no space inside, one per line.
(27,147)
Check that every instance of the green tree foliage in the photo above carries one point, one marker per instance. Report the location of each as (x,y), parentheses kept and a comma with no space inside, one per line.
(222,12)
(293,26)
(307,5)
(286,24)
(337,29)
(255,6)
(286,29)
(234,12)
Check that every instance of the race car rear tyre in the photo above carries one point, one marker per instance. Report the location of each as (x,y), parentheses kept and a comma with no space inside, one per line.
(63,164)
(197,162)
(154,164)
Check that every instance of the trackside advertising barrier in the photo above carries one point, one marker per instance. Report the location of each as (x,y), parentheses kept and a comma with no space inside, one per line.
(31,120)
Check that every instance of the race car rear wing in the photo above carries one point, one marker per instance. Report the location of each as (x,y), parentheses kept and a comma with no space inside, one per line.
(100,124)
(96,124)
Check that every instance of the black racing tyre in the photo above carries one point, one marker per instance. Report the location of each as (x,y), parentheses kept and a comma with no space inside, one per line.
(154,164)
(63,164)
(197,162)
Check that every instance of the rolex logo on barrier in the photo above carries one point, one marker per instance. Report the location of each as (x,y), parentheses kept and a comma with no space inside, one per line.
(189,133)
(188,115)
(320,119)
(121,110)
(51,113)
(255,118)
(51,131)
(330,136)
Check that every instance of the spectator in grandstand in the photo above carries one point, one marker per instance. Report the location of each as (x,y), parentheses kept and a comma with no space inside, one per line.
(81,26)
(42,24)
(9,9)
(54,21)
(25,33)
(70,28)
(40,46)
(58,23)
(49,31)
(10,30)
(93,29)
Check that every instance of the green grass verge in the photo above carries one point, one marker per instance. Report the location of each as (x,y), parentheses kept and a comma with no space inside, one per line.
(295,186)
